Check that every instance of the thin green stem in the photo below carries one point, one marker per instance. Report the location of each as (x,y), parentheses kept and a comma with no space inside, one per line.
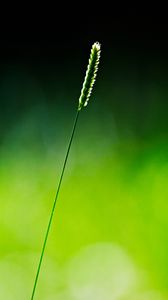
(54,205)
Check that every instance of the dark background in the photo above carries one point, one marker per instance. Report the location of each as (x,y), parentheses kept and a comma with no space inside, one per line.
(53,49)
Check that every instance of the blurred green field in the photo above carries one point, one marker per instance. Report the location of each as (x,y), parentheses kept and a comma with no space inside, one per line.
(109,236)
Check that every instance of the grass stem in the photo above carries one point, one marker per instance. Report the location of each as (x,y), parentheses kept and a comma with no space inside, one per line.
(54,205)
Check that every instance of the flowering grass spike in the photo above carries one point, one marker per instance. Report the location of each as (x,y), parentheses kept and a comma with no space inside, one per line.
(90,75)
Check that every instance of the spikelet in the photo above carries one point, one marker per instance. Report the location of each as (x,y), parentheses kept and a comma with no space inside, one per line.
(90,75)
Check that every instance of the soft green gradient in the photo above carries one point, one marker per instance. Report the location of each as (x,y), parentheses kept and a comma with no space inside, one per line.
(109,236)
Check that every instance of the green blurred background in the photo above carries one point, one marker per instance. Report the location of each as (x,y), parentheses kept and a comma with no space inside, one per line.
(109,235)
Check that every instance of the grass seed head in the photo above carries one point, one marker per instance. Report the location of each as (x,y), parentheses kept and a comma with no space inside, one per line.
(91,74)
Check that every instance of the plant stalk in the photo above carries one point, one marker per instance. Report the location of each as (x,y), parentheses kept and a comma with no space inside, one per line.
(54,205)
